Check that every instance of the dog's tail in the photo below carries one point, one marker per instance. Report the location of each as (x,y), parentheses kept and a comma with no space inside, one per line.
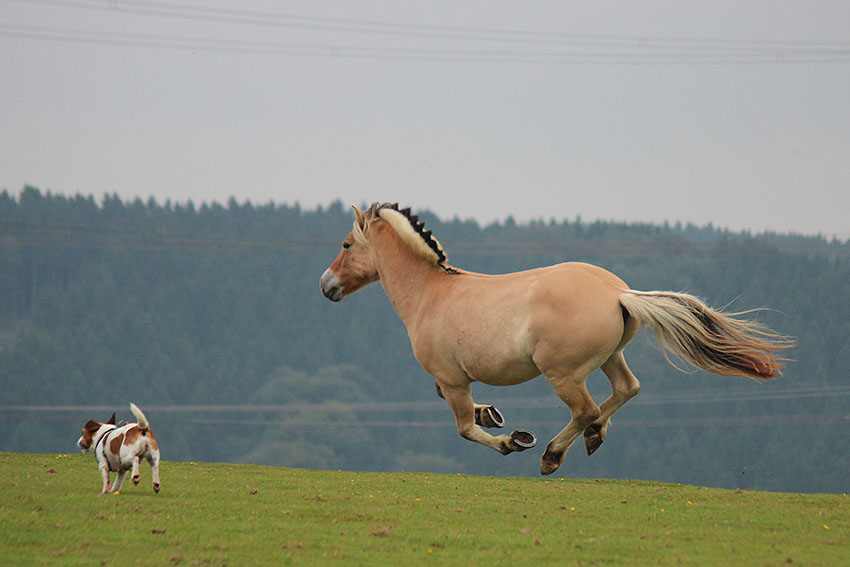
(140,418)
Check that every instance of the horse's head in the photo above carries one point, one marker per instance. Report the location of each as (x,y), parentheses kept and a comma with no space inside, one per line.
(355,266)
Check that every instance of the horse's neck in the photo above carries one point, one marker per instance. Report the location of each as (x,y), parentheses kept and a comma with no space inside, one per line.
(404,276)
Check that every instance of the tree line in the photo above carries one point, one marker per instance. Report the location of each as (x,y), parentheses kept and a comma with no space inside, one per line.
(183,308)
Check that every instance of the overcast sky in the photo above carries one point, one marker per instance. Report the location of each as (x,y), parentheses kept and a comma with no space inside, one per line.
(735,113)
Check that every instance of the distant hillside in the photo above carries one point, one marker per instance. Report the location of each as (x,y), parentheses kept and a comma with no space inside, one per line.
(171,305)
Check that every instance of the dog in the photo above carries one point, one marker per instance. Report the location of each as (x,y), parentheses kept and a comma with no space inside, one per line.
(120,448)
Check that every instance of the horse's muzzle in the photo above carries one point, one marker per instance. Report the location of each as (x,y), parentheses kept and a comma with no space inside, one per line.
(330,286)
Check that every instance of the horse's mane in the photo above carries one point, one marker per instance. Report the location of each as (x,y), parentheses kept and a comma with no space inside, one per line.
(412,232)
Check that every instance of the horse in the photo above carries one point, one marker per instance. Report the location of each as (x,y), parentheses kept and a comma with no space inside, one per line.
(561,321)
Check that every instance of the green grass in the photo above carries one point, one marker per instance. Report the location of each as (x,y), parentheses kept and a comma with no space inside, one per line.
(51,513)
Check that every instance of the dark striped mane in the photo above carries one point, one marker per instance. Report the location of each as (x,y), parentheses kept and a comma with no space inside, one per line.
(418,229)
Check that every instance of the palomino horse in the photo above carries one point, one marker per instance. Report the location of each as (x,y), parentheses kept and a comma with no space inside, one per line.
(562,321)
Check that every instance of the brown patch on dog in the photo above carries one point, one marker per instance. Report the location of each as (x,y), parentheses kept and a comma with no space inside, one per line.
(131,435)
(115,444)
(88,432)
(150,436)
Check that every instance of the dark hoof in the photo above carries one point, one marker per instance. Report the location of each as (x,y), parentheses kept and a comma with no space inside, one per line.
(135,480)
(522,440)
(489,416)
(550,461)
(156,488)
(547,466)
(593,438)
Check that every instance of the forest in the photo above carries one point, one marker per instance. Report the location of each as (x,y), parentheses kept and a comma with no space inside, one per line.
(210,318)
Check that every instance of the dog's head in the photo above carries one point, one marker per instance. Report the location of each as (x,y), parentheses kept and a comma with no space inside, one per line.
(88,438)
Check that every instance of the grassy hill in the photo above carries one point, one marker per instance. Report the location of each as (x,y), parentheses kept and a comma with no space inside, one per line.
(51,513)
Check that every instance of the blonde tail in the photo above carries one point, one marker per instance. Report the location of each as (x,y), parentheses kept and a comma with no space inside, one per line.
(140,417)
(706,338)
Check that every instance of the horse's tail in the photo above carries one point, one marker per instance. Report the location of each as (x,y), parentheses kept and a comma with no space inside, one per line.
(706,338)
(140,418)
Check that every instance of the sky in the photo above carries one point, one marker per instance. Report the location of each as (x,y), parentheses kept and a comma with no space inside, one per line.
(733,113)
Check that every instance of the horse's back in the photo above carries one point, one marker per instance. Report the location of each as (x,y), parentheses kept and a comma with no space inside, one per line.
(567,272)
(583,270)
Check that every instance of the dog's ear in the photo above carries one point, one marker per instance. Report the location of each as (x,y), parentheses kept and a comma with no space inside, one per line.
(111,420)
(91,427)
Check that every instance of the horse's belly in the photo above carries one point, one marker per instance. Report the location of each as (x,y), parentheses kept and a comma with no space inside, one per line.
(496,372)
(497,359)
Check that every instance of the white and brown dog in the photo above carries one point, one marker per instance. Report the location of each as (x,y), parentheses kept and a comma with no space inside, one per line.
(120,448)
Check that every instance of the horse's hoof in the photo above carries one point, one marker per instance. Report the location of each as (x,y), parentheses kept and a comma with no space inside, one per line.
(593,438)
(489,416)
(551,460)
(547,467)
(156,487)
(522,440)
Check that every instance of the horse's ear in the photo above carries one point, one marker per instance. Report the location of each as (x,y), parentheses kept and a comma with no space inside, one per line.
(361,217)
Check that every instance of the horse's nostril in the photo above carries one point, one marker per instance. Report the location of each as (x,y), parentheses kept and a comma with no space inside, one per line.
(334,293)
(329,284)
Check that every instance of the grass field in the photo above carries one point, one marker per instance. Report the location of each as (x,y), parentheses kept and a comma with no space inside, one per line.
(51,513)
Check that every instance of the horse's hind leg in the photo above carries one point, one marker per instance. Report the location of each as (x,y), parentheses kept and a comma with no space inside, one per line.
(583,411)
(624,386)
(460,401)
(485,415)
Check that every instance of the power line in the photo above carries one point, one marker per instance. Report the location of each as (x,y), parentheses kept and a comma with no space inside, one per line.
(715,421)
(448,423)
(261,414)
(280,19)
(44,235)
(162,42)
(693,397)
(553,57)
(568,48)
(708,396)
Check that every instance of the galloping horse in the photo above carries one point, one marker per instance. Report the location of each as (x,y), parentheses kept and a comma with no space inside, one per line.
(562,321)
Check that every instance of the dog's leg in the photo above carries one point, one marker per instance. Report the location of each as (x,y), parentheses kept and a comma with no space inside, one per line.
(153,460)
(104,474)
(119,481)
(135,477)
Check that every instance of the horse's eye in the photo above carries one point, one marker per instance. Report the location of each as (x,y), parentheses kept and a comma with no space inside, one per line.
(346,245)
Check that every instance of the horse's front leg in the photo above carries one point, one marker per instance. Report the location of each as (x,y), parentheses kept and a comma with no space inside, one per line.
(460,401)
(485,415)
